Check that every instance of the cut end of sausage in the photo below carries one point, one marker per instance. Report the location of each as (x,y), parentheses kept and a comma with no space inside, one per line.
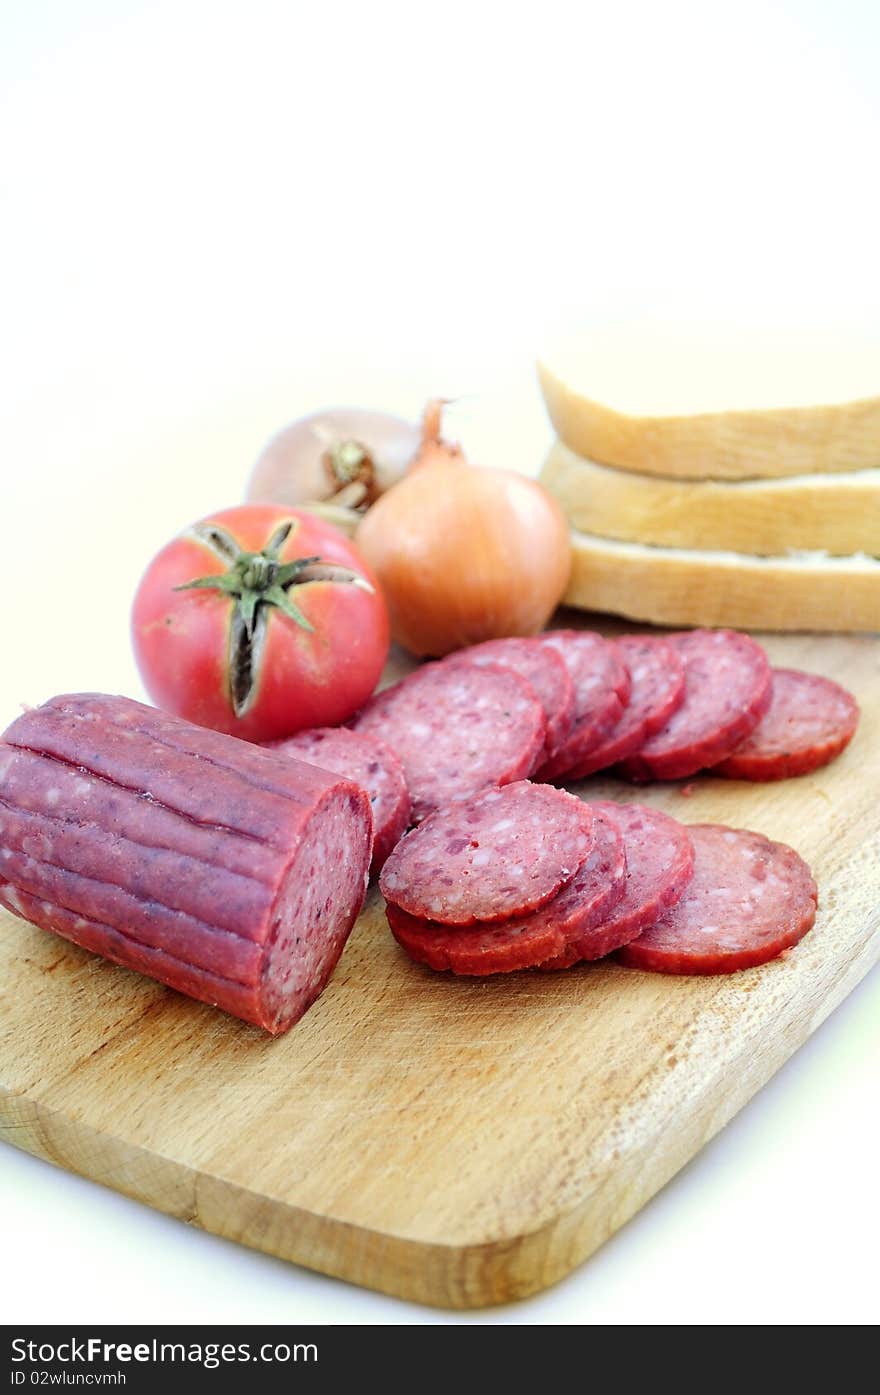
(318,902)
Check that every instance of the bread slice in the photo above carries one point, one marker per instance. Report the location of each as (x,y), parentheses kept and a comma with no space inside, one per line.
(674,586)
(839,514)
(698,412)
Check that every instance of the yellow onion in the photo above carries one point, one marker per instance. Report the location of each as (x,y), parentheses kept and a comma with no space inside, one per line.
(464,553)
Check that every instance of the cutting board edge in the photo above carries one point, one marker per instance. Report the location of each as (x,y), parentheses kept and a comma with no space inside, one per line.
(457,1275)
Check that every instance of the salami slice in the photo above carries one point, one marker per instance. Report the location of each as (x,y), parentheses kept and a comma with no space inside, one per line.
(601,691)
(749,900)
(225,871)
(369,763)
(727,691)
(523,941)
(810,720)
(657,675)
(500,854)
(489,949)
(457,729)
(542,667)
(659,867)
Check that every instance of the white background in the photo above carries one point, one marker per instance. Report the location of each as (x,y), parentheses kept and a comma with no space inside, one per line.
(215,217)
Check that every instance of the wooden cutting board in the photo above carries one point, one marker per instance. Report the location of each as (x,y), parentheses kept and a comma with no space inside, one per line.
(457,1143)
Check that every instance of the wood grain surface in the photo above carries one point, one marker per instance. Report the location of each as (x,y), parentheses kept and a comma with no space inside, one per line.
(458,1143)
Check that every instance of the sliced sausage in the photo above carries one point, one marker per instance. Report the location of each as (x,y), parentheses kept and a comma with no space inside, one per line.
(542,667)
(659,867)
(727,691)
(601,691)
(657,675)
(500,854)
(810,720)
(491,949)
(457,729)
(228,872)
(524,941)
(748,901)
(369,763)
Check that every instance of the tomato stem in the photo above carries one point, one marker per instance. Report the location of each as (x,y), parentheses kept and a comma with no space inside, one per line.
(258,583)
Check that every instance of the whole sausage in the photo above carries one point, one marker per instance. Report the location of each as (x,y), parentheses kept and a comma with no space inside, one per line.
(218,868)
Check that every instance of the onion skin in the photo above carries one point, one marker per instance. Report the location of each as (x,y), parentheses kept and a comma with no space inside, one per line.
(465,553)
(291,469)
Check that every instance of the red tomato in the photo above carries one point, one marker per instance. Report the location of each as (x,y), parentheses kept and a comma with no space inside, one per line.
(280,624)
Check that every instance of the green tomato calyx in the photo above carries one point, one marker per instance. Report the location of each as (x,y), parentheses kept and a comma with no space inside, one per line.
(258,583)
